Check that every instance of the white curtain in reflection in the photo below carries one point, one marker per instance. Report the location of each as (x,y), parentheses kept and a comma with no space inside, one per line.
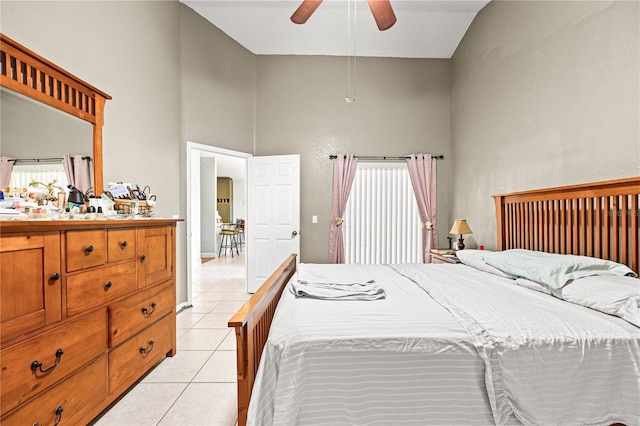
(6,167)
(23,174)
(77,170)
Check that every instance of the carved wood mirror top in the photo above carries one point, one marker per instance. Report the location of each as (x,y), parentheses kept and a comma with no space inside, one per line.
(31,75)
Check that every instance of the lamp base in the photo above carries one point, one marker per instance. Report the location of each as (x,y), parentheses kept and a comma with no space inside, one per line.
(460,243)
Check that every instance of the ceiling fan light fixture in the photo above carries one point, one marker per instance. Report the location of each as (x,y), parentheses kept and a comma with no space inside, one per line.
(380,9)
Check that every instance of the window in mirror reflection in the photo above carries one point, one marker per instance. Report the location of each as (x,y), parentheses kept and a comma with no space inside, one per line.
(23,174)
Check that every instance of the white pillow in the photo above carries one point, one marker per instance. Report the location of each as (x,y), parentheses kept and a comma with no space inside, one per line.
(553,270)
(611,294)
(475,259)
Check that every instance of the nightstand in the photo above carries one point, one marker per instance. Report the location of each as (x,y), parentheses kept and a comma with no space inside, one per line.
(436,258)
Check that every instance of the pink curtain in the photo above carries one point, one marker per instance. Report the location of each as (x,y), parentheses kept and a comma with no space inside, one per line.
(6,167)
(344,171)
(77,169)
(422,171)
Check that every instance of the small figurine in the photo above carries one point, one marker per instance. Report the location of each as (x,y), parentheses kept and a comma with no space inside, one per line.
(50,195)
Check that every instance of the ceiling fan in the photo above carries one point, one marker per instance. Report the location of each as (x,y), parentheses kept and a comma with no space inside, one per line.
(381,10)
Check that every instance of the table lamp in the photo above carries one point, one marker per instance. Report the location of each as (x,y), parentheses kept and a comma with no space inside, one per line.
(460,227)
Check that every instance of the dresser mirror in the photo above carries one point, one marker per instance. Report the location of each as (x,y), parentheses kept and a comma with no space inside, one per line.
(47,112)
(56,134)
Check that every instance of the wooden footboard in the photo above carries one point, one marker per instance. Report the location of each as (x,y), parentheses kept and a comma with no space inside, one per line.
(252,323)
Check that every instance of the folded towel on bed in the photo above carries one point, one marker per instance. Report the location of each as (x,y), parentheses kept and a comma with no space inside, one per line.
(336,282)
(335,291)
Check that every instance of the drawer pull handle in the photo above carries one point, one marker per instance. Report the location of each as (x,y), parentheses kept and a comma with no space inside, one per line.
(88,250)
(142,258)
(37,365)
(123,245)
(145,351)
(107,285)
(59,411)
(148,313)
(55,276)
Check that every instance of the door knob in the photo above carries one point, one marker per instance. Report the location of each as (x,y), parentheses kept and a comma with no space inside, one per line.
(294,234)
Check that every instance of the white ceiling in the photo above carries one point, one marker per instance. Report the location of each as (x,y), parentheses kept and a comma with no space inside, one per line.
(425,28)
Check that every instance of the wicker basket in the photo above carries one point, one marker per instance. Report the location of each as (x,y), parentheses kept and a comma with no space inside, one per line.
(125,206)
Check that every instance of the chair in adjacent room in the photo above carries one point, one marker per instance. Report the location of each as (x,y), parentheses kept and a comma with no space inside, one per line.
(228,240)
(240,232)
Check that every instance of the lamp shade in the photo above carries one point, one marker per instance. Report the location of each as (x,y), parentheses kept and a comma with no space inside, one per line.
(460,227)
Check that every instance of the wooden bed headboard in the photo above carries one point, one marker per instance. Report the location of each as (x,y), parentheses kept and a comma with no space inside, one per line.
(597,219)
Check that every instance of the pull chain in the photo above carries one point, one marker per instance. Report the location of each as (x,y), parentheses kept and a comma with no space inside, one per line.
(351,51)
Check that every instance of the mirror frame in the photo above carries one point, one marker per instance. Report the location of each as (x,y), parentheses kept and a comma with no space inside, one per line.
(31,75)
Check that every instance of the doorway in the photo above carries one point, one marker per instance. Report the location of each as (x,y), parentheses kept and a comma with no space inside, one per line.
(204,165)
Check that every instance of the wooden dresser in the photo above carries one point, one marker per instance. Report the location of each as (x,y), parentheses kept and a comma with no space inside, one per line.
(87,308)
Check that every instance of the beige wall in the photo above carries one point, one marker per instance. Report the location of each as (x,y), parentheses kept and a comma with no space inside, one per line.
(402,107)
(218,85)
(544,93)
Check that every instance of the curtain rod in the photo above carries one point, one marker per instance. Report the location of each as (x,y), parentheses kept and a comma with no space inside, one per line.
(39,160)
(366,157)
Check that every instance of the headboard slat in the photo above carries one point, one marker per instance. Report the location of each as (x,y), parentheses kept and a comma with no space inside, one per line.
(635,236)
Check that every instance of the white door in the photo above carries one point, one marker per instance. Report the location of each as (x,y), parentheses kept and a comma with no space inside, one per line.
(273,219)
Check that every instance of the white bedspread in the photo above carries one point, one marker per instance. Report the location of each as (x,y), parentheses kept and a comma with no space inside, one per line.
(407,360)
(546,361)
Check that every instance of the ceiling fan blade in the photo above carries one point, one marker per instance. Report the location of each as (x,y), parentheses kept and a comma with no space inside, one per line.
(382,13)
(304,11)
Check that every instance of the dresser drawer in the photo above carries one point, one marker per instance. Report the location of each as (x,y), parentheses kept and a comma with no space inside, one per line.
(76,343)
(98,286)
(135,356)
(121,244)
(134,313)
(86,249)
(75,398)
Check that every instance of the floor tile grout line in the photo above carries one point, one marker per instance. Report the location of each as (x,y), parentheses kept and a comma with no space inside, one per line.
(172,404)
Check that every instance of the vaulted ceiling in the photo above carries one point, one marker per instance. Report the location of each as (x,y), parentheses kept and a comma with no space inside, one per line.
(424,28)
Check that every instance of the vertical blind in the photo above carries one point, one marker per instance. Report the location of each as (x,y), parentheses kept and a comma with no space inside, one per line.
(381,221)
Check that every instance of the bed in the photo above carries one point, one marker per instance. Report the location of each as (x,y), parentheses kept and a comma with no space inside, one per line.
(416,363)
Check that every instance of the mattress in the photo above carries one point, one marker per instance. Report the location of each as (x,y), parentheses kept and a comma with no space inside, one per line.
(413,357)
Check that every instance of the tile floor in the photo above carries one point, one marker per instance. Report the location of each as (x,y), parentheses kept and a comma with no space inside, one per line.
(198,385)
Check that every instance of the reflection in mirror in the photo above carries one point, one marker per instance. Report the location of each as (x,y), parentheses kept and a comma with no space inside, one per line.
(29,74)
(39,148)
